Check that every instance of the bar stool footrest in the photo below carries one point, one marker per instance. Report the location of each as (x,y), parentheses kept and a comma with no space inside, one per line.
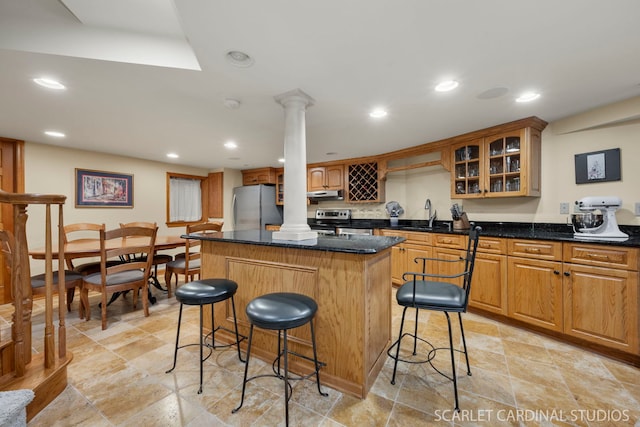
(297,377)
(431,355)
(215,346)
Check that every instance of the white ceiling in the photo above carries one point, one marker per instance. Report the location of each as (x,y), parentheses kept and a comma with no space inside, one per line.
(148,77)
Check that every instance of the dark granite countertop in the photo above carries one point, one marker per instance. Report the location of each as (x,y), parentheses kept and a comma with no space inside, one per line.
(514,230)
(355,244)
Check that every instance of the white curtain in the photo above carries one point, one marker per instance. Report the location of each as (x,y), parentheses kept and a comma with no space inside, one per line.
(185,200)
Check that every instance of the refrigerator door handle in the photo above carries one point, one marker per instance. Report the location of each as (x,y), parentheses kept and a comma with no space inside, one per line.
(234,206)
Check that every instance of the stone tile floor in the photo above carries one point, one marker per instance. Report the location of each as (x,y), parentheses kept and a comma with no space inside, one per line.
(117,378)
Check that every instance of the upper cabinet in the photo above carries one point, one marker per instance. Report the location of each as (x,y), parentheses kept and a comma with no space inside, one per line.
(364,183)
(325,178)
(215,195)
(280,186)
(500,165)
(259,176)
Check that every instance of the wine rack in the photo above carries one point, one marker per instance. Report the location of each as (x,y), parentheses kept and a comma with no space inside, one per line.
(364,182)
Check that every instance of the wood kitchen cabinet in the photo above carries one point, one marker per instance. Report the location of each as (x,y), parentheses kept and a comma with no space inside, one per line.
(601,295)
(280,186)
(449,247)
(534,283)
(501,165)
(259,176)
(489,284)
(329,177)
(364,183)
(417,245)
(215,195)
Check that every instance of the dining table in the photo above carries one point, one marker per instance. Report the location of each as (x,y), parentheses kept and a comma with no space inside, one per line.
(88,248)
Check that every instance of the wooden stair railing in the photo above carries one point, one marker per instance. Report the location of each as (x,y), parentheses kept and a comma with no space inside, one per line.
(45,373)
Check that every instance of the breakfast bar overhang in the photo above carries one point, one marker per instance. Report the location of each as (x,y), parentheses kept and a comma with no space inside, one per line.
(349,278)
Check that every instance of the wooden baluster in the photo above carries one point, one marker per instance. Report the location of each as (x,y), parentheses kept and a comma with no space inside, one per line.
(62,289)
(49,349)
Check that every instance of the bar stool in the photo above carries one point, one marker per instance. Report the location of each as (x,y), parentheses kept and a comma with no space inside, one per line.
(201,293)
(282,311)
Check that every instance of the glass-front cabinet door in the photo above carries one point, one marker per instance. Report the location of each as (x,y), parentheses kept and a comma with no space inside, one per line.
(502,165)
(468,169)
(504,156)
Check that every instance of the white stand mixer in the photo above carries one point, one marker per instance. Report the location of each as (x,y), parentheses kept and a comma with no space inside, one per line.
(608,230)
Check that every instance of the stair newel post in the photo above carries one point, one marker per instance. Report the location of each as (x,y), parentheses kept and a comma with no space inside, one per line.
(21,287)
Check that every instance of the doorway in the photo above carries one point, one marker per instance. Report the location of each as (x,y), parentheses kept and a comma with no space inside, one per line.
(11,181)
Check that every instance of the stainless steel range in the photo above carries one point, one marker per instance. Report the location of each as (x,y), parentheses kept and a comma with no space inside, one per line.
(336,222)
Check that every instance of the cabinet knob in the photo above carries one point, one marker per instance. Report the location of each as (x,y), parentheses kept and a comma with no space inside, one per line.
(566,273)
(556,272)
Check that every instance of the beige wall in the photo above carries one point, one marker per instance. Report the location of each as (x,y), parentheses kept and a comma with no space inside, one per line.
(51,170)
(613,126)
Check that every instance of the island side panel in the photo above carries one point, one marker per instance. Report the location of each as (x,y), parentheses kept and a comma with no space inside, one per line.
(378,316)
(353,322)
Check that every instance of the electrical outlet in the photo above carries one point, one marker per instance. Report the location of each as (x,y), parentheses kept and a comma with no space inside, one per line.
(564,208)
(637,206)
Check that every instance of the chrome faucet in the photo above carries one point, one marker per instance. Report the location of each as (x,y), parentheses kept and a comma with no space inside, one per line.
(432,216)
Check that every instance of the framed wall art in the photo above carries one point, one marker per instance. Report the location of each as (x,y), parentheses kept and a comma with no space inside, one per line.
(103,189)
(598,166)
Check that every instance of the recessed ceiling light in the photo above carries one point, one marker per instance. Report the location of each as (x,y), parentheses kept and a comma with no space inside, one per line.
(378,113)
(172,155)
(239,59)
(55,134)
(230,145)
(528,97)
(446,86)
(49,83)
(281,160)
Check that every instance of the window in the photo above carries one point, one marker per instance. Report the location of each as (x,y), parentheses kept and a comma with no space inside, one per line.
(184,198)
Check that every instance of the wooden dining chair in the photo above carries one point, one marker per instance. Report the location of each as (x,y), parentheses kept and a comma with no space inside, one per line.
(158,259)
(127,243)
(72,279)
(182,254)
(189,264)
(84,232)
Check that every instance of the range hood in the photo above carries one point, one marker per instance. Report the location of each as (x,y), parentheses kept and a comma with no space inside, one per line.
(325,195)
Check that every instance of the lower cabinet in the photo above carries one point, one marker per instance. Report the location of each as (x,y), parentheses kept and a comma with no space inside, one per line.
(416,245)
(534,289)
(489,284)
(586,291)
(601,297)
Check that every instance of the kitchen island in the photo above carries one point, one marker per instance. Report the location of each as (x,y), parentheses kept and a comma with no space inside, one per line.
(349,277)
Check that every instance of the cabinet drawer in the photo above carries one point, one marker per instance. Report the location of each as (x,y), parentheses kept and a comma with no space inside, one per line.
(492,245)
(538,249)
(601,256)
(417,237)
(453,241)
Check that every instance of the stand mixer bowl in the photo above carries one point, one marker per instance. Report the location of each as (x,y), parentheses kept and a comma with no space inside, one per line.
(586,220)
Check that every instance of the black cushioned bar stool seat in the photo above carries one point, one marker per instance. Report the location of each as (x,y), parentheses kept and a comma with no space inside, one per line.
(206,292)
(282,311)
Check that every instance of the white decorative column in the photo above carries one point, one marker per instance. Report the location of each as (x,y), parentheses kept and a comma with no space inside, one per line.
(295,225)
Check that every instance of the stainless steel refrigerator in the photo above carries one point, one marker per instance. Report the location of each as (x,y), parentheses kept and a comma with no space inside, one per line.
(254,206)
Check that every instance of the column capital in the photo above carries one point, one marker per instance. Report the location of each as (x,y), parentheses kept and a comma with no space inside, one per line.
(295,95)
